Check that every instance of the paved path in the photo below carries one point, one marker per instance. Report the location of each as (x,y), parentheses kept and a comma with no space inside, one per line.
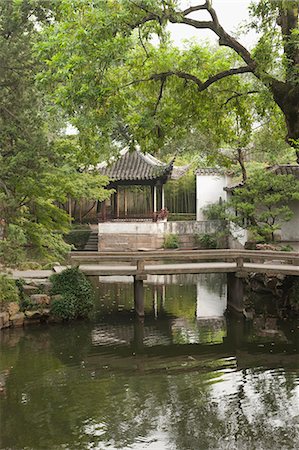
(31,274)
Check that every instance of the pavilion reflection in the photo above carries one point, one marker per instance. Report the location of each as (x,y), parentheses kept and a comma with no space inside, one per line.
(179,310)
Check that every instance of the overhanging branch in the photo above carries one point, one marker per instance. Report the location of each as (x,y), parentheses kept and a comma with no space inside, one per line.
(240,94)
(181,17)
(224,74)
(192,9)
(202,85)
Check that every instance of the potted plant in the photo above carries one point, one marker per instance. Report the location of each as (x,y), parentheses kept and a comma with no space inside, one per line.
(162,215)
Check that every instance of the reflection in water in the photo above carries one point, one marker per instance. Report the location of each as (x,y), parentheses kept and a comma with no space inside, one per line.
(182,299)
(179,380)
(211,296)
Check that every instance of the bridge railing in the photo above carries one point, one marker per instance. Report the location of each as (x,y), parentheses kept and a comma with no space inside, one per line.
(172,256)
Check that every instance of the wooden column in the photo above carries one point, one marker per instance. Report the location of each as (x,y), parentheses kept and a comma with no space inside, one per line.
(116,203)
(162,197)
(104,211)
(154,198)
(125,201)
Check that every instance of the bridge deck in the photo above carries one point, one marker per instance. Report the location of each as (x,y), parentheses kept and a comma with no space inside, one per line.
(180,268)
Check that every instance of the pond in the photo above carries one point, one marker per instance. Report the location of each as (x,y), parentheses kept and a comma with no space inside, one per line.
(189,376)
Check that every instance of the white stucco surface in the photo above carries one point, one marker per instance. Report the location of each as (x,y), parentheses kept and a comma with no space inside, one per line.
(290,230)
(132,228)
(158,228)
(209,189)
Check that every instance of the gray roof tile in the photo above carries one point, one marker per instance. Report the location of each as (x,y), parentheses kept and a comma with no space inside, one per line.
(136,166)
(285,169)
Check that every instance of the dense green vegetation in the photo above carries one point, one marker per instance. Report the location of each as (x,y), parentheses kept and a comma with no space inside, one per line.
(8,291)
(261,205)
(38,165)
(75,294)
(110,69)
(206,240)
(117,82)
(78,236)
(171,240)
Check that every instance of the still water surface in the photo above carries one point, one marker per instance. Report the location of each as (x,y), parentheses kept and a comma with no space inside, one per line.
(189,377)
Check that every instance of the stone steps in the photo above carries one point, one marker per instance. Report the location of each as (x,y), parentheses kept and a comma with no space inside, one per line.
(92,243)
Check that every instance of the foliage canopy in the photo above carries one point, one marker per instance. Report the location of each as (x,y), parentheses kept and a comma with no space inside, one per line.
(38,165)
(120,83)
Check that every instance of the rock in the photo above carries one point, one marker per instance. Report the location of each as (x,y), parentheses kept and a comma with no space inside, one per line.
(33,314)
(271,323)
(13,308)
(4,320)
(56,297)
(248,314)
(17,320)
(281,277)
(273,334)
(258,323)
(42,284)
(29,289)
(40,299)
(250,245)
(266,247)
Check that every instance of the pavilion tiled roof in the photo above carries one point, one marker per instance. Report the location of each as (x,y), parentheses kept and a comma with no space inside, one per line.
(136,166)
(285,169)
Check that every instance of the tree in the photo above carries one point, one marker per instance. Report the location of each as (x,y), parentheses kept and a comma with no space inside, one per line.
(36,170)
(262,203)
(107,46)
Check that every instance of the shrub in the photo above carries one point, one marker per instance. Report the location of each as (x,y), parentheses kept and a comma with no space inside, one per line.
(8,291)
(65,308)
(206,240)
(78,238)
(286,248)
(171,240)
(215,211)
(76,294)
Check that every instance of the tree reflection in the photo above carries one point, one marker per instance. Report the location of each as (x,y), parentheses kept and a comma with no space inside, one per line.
(62,392)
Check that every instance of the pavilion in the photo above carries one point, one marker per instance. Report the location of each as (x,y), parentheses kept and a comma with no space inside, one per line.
(136,169)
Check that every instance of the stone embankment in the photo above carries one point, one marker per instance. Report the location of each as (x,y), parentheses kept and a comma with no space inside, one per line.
(281,290)
(34,307)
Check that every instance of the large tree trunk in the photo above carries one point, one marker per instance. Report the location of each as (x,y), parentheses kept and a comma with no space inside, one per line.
(286,95)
